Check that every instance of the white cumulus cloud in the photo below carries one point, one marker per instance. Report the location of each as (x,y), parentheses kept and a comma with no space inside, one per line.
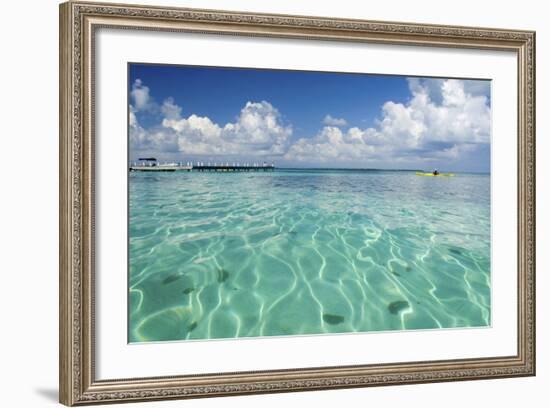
(331,144)
(257,131)
(330,121)
(140,97)
(441,120)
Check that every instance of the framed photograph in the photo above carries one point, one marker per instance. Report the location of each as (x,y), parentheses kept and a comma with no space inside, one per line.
(256,203)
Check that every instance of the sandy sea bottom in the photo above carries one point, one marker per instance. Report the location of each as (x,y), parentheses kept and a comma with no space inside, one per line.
(216,255)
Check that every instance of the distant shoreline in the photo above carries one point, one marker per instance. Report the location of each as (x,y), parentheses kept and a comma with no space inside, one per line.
(374,170)
(359,170)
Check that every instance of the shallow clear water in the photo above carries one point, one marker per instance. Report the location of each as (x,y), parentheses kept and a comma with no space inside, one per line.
(216,255)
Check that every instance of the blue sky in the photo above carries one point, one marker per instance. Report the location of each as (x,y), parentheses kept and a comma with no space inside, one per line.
(308,119)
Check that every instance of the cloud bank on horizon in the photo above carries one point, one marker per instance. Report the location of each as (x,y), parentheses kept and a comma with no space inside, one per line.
(444,123)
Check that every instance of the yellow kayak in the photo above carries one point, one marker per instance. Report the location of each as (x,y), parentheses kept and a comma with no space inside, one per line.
(433,175)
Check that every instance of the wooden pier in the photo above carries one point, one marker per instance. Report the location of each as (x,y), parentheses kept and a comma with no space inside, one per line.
(161,167)
(202,167)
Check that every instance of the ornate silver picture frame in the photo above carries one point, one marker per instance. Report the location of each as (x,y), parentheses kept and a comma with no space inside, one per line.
(79,23)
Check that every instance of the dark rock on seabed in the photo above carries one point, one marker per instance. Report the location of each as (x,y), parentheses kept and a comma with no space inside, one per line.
(333,319)
(398,306)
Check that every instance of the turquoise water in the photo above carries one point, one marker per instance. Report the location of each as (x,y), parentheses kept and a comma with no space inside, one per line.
(216,255)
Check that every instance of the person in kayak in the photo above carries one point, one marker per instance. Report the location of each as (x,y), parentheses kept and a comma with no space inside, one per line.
(435,173)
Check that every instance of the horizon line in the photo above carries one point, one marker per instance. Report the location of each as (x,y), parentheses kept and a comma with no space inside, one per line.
(274,167)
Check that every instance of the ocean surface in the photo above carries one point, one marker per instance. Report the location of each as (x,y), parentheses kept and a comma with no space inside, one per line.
(296,252)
